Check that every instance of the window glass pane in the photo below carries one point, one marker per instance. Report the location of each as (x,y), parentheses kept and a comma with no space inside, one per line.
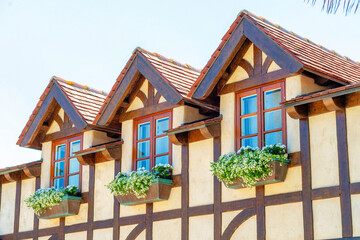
(162,160)
(143,164)
(143,149)
(74,147)
(273,138)
(59,182)
(272,98)
(74,166)
(248,104)
(60,152)
(252,142)
(74,180)
(59,168)
(162,145)
(248,125)
(272,120)
(162,125)
(144,130)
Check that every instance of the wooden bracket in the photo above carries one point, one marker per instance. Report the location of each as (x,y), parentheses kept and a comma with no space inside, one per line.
(12,176)
(334,103)
(298,112)
(104,154)
(179,138)
(32,171)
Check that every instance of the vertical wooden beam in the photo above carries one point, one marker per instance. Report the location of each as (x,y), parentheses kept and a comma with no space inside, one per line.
(91,202)
(61,234)
(257,61)
(306,179)
(148,221)
(260,213)
(185,191)
(217,193)
(116,205)
(17,208)
(36,220)
(345,197)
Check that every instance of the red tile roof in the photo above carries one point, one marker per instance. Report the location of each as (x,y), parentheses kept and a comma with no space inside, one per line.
(313,57)
(86,101)
(180,76)
(19,167)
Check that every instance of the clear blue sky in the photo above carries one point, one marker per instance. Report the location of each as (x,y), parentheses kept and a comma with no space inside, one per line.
(89,42)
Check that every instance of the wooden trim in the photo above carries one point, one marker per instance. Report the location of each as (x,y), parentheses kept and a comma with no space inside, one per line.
(260,213)
(236,223)
(61,233)
(116,230)
(61,134)
(136,231)
(36,220)
(344,175)
(17,207)
(306,179)
(298,112)
(90,219)
(217,192)
(335,103)
(139,66)
(185,192)
(148,221)
(139,113)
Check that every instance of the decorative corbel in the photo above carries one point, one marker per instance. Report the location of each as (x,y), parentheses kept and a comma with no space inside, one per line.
(298,112)
(334,103)
(179,138)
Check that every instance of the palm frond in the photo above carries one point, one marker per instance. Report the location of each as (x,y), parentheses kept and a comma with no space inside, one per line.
(331,6)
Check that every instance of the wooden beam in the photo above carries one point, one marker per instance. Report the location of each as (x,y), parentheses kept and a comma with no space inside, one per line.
(146,111)
(298,112)
(178,139)
(61,134)
(334,103)
(12,176)
(32,171)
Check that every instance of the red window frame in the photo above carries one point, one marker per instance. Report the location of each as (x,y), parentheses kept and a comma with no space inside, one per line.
(259,91)
(66,160)
(152,119)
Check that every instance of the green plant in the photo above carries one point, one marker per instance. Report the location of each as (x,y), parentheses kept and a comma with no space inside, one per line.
(249,164)
(138,182)
(44,198)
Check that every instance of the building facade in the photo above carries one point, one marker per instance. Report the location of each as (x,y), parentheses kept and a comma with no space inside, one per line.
(263,85)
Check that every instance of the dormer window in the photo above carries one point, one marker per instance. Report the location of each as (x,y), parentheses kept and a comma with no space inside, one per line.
(260,120)
(151,144)
(66,169)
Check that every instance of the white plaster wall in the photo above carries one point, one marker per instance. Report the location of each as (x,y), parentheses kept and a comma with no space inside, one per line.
(327,218)
(247,230)
(201,227)
(227,110)
(323,148)
(76,236)
(249,55)
(7,210)
(200,177)
(136,104)
(227,217)
(127,136)
(353,140)
(238,75)
(54,127)
(292,183)
(142,235)
(144,88)
(45,165)
(81,217)
(273,67)
(167,229)
(103,199)
(355,208)
(26,214)
(126,211)
(48,223)
(125,231)
(284,222)
(174,201)
(103,234)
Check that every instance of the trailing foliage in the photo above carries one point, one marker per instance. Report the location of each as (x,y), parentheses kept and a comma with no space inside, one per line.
(331,6)
(44,198)
(138,182)
(249,164)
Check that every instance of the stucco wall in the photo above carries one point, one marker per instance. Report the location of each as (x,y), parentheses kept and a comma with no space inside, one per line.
(327,218)
(174,201)
(323,148)
(247,230)
(199,175)
(103,199)
(76,236)
(127,136)
(45,165)
(26,214)
(353,139)
(284,222)
(167,228)
(7,210)
(81,217)
(103,234)
(292,183)
(201,227)
(355,208)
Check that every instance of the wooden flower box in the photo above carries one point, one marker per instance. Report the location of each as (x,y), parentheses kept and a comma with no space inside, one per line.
(159,190)
(68,206)
(279,174)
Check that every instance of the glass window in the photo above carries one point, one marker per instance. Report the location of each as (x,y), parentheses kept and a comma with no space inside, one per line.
(152,142)
(260,120)
(66,168)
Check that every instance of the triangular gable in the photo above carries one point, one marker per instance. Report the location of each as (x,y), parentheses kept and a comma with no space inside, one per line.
(240,33)
(171,80)
(79,108)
